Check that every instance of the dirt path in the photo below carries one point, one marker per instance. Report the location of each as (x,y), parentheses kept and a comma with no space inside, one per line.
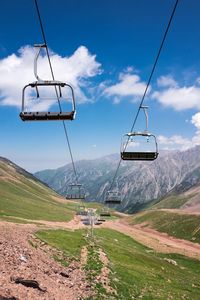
(74,224)
(158,241)
(20,259)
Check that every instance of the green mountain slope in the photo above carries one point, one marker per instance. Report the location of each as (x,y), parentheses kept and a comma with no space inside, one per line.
(24,196)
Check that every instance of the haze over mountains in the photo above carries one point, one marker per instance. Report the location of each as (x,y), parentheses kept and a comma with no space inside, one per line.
(139,182)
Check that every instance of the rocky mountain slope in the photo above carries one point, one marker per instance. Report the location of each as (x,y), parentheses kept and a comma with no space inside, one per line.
(188,200)
(139,182)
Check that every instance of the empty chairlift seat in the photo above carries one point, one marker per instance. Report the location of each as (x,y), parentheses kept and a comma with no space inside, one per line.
(113,197)
(55,97)
(39,96)
(105,212)
(75,192)
(139,146)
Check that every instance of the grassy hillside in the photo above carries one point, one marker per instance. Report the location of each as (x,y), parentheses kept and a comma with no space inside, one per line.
(137,272)
(175,201)
(24,196)
(189,199)
(183,226)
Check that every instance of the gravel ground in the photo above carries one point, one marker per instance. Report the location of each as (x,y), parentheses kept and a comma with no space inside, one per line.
(18,259)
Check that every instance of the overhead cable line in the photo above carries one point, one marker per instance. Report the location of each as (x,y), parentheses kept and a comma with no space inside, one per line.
(53,77)
(147,85)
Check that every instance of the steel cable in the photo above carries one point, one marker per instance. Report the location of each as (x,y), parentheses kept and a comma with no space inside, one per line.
(147,86)
(53,77)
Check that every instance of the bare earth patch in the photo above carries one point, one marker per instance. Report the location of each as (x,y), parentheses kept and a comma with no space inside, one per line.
(160,242)
(21,260)
(105,272)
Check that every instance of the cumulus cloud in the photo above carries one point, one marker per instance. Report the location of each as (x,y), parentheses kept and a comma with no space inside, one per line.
(129,85)
(196,121)
(16,71)
(168,80)
(180,142)
(174,142)
(179,98)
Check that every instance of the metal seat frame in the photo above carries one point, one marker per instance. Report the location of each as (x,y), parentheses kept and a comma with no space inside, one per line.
(80,195)
(58,85)
(139,155)
(112,197)
(134,155)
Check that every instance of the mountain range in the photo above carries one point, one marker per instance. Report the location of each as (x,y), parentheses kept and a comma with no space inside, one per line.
(140,182)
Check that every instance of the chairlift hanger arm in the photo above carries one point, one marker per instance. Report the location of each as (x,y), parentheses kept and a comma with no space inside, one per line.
(145,109)
(38,48)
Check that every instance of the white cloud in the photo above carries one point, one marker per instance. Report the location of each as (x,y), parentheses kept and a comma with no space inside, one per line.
(129,85)
(196,120)
(179,98)
(165,81)
(179,142)
(16,71)
(174,142)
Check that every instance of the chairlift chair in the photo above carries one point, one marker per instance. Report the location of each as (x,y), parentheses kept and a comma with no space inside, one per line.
(113,197)
(139,145)
(104,212)
(75,192)
(81,210)
(150,153)
(34,89)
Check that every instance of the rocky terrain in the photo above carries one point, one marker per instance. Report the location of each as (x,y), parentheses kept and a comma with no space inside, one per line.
(28,268)
(20,260)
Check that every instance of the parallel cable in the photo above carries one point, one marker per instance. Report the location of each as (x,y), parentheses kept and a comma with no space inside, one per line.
(53,77)
(147,86)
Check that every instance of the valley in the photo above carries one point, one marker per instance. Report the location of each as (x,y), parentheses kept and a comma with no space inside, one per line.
(154,254)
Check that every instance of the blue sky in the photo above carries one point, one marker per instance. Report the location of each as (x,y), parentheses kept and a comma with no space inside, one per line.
(105,49)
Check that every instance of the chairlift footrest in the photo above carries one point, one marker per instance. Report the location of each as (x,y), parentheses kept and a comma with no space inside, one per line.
(46,116)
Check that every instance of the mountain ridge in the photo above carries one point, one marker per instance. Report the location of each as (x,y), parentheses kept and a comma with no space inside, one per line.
(139,182)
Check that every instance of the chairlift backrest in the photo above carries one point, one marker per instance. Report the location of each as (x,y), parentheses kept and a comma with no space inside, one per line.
(112,197)
(145,147)
(76,192)
(59,89)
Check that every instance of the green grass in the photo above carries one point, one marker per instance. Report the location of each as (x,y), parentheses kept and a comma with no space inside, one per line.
(137,271)
(93,269)
(172,202)
(70,242)
(183,226)
(28,200)
(17,220)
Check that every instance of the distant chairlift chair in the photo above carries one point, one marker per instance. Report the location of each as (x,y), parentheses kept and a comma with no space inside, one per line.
(104,212)
(75,192)
(113,197)
(34,89)
(139,145)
